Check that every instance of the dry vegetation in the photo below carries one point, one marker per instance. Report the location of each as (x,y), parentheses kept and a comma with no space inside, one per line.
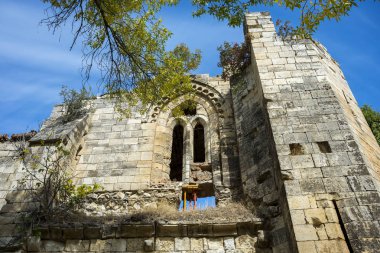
(164,212)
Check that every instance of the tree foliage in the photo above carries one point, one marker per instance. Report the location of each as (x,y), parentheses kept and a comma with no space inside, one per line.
(74,103)
(188,107)
(126,42)
(311,13)
(48,182)
(373,119)
(233,58)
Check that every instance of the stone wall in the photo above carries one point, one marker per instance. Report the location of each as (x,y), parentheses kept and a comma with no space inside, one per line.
(287,138)
(9,165)
(134,153)
(258,166)
(331,196)
(368,146)
(116,152)
(148,237)
(242,243)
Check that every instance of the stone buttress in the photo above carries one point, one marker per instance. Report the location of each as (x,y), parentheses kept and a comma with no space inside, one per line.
(309,144)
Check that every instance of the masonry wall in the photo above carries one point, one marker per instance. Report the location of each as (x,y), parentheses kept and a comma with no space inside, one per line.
(244,243)
(331,195)
(10,164)
(258,165)
(117,152)
(364,138)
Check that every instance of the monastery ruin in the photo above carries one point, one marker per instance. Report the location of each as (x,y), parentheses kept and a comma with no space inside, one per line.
(286,139)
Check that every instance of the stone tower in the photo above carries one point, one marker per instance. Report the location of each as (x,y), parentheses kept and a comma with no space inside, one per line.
(286,138)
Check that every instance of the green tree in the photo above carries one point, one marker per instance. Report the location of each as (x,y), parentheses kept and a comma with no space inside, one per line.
(373,119)
(311,13)
(126,40)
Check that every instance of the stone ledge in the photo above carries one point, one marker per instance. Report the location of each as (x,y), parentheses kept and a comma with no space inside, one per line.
(154,229)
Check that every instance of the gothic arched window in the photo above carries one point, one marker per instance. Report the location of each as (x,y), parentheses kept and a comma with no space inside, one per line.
(199,143)
(176,162)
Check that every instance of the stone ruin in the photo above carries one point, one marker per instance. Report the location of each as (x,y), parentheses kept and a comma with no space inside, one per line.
(286,138)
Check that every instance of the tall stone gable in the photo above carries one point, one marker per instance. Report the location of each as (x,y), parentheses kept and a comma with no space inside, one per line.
(286,138)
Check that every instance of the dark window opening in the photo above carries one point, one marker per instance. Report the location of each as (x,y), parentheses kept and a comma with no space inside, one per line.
(296,149)
(199,144)
(190,111)
(324,147)
(177,154)
(197,197)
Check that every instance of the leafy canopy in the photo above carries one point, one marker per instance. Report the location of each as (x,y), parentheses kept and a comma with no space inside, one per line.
(126,42)
(311,13)
(233,58)
(373,119)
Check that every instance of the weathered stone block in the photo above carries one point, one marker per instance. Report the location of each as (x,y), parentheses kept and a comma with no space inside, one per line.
(363,229)
(245,242)
(305,233)
(108,232)
(92,232)
(224,229)
(229,243)
(215,243)
(325,246)
(118,245)
(298,202)
(338,159)
(165,243)
(77,245)
(302,161)
(331,215)
(320,160)
(314,185)
(53,246)
(98,245)
(171,230)
(368,198)
(336,185)
(149,245)
(356,213)
(72,233)
(182,243)
(199,230)
(307,246)
(34,244)
(196,244)
(298,216)
(334,231)
(246,228)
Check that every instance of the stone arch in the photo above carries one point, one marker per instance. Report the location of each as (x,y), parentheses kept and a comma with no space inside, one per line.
(163,138)
(202,89)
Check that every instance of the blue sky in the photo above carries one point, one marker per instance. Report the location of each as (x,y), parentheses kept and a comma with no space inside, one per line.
(34,63)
